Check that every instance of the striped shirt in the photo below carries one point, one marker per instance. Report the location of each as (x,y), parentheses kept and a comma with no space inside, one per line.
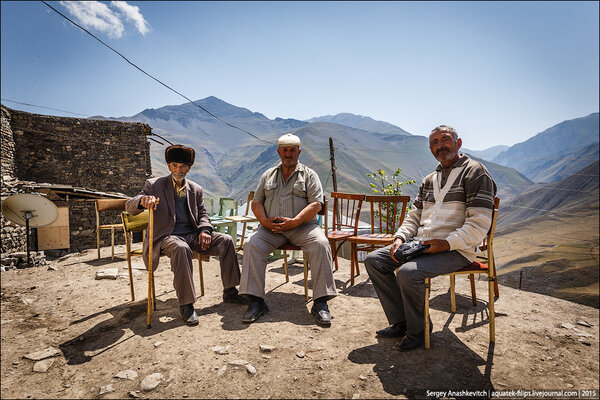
(462,216)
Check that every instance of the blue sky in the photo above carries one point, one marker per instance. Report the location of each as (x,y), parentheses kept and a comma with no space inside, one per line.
(499,72)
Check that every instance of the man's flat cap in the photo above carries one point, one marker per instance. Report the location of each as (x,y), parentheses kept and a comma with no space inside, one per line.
(289,140)
(180,154)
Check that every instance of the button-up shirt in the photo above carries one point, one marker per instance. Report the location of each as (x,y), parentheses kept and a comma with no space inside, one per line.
(283,198)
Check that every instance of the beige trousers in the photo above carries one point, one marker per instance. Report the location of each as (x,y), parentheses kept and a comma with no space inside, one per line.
(315,246)
(180,251)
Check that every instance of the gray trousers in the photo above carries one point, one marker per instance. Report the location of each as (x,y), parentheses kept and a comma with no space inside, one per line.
(180,251)
(402,295)
(315,246)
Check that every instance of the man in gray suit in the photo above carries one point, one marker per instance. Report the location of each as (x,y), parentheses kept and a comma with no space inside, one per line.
(181,226)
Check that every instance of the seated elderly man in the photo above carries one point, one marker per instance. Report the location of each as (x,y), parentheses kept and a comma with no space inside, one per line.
(182,225)
(286,203)
(451,214)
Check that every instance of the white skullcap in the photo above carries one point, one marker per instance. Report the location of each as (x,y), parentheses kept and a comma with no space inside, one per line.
(289,140)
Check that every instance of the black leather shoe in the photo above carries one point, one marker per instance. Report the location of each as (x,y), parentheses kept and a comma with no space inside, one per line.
(254,311)
(411,342)
(321,313)
(231,295)
(188,314)
(393,331)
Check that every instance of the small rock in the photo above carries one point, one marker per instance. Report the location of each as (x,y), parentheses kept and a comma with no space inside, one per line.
(295,378)
(239,363)
(300,354)
(584,323)
(221,350)
(318,392)
(222,370)
(266,356)
(321,367)
(356,396)
(52,268)
(251,370)
(108,273)
(158,343)
(28,301)
(151,381)
(133,395)
(46,353)
(166,319)
(567,325)
(43,366)
(266,348)
(584,341)
(317,328)
(362,377)
(107,389)
(127,374)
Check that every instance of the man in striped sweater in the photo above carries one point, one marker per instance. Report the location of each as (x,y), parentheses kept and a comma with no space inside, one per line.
(452,214)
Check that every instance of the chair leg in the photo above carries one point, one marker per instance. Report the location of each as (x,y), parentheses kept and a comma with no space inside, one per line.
(452,294)
(153,294)
(353,256)
(427,286)
(112,244)
(285,266)
(201,273)
(473,293)
(305,263)
(130,277)
(98,241)
(491,310)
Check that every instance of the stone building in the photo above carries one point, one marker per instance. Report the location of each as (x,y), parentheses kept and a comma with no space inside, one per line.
(72,161)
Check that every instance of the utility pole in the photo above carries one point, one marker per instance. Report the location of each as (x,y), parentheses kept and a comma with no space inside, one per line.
(332,157)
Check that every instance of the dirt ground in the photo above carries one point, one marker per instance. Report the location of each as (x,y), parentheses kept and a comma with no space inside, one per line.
(99,332)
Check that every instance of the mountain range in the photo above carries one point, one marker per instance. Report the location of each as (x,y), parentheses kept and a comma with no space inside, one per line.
(548,184)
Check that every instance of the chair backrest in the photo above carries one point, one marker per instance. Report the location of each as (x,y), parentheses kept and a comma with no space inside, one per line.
(489,240)
(110,204)
(346,210)
(135,223)
(209,205)
(227,207)
(387,212)
(250,198)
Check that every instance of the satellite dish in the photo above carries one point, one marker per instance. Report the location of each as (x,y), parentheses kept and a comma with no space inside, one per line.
(29,209)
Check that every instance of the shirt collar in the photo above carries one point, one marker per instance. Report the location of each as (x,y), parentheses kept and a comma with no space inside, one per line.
(462,159)
(179,189)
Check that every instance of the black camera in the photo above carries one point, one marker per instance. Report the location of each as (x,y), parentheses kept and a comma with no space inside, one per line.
(409,250)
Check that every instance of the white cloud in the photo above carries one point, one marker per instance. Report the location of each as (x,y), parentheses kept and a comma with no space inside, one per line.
(98,16)
(132,13)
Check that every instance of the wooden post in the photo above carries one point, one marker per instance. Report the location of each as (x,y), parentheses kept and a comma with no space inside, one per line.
(332,155)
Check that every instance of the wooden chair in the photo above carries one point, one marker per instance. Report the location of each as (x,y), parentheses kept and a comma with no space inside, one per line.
(142,222)
(346,211)
(288,246)
(108,205)
(476,267)
(387,214)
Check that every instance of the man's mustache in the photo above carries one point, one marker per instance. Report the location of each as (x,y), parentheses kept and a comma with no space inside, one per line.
(441,149)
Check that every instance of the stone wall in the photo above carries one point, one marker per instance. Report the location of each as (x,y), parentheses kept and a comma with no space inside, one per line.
(7,147)
(95,154)
(107,156)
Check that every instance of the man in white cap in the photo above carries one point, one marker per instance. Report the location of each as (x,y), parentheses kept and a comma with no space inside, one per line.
(286,203)
(182,225)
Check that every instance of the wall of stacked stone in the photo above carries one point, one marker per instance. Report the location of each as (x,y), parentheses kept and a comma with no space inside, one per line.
(7,146)
(101,155)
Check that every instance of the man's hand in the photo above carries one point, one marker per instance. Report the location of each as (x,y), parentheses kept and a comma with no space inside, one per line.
(149,201)
(281,224)
(437,246)
(397,243)
(204,240)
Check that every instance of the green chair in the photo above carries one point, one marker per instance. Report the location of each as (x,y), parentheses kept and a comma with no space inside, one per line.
(227,208)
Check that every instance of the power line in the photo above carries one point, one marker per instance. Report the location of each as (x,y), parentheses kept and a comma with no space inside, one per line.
(152,77)
(48,108)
